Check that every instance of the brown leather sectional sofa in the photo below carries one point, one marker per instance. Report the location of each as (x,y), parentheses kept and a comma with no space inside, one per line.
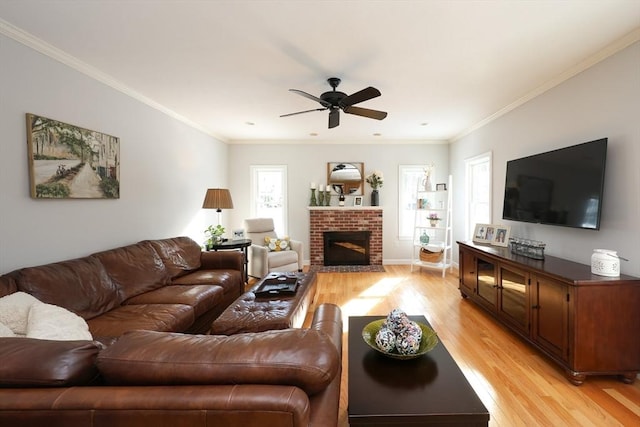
(166,285)
(149,307)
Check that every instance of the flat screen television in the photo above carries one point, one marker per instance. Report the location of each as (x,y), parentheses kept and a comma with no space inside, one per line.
(560,187)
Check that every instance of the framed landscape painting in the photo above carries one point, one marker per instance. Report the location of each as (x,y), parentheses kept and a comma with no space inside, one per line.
(70,162)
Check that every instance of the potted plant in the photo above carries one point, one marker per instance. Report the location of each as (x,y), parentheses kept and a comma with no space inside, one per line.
(433,219)
(214,235)
(375,180)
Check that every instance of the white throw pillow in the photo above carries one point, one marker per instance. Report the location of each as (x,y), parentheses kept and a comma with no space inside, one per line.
(14,311)
(5,331)
(50,322)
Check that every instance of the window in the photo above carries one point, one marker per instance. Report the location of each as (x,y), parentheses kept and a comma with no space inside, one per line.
(269,195)
(409,176)
(478,192)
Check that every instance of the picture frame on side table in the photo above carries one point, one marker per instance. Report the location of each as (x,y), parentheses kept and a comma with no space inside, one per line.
(481,233)
(357,200)
(501,235)
(238,234)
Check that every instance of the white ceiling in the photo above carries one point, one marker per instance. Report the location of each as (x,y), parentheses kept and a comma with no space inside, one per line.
(443,67)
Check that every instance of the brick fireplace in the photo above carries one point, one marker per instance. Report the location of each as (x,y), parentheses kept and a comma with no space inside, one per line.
(323,219)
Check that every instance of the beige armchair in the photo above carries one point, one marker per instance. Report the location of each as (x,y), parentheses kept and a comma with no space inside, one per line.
(263,261)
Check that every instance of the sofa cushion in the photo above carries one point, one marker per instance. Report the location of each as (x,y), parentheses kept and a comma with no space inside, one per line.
(275,244)
(14,311)
(152,317)
(81,285)
(179,254)
(304,358)
(41,363)
(201,297)
(282,258)
(50,322)
(134,269)
(229,280)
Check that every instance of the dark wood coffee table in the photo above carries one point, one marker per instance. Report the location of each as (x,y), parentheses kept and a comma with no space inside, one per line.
(428,391)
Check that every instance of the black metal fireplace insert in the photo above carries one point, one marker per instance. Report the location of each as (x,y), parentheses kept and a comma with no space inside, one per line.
(346,247)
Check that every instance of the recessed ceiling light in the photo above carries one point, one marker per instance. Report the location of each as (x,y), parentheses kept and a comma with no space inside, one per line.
(377,134)
(424,124)
(313,134)
(249,123)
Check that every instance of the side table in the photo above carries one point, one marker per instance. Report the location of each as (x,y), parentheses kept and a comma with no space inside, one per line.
(242,245)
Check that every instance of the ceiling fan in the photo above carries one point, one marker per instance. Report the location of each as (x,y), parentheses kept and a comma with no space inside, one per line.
(334,101)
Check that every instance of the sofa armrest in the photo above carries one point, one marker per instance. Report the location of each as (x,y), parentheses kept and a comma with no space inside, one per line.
(29,362)
(222,260)
(305,358)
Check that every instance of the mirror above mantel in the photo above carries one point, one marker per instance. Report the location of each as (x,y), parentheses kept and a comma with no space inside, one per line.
(346,177)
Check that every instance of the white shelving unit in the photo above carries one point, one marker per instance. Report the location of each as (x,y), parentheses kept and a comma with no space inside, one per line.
(436,202)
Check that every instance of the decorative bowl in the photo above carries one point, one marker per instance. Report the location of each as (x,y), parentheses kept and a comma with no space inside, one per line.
(427,343)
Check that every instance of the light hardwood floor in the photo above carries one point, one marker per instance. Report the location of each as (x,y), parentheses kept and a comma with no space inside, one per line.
(517,384)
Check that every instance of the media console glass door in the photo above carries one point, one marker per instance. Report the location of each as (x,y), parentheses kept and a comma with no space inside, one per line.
(514,297)
(487,282)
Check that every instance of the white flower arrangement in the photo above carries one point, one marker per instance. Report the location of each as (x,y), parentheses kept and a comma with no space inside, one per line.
(375,180)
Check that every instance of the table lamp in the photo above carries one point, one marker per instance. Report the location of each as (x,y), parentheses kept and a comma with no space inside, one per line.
(218,199)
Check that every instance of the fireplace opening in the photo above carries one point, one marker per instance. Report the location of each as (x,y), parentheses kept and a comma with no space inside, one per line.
(346,247)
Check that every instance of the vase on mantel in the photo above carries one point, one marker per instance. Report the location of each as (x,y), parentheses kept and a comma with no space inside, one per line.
(375,198)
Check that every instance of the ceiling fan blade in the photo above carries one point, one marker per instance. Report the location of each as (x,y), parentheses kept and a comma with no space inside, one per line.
(302,112)
(313,98)
(365,112)
(363,95)
(334,118)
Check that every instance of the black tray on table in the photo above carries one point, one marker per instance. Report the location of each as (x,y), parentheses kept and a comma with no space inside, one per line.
(278,284)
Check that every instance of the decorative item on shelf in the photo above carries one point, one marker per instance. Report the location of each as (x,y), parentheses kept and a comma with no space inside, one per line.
(427,255)
(605,262)
(357,200)
(341,200)
(426,181)
(423,204)
(327,196)
(313,201)
(424,238)
(375,180)
(375,198)
(320,195)
(433,219)
(441,187)
(529,248)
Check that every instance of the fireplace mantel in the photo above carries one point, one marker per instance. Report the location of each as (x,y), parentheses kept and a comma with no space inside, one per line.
(344,218)
(344,208)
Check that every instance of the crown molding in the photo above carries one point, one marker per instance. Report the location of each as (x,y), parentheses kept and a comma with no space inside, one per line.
(608,51)
(59,55)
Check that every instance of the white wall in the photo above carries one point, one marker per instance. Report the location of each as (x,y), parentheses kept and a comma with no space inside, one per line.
(308,163)
(603,101)
(166,166)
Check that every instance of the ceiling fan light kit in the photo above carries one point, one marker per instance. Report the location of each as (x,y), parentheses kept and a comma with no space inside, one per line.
(334,101)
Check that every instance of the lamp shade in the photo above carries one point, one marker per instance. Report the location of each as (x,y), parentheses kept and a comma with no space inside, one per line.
(217,198)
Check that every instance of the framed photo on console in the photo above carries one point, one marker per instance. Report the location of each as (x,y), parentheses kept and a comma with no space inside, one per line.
(501,235)
(357,200)
(483,233)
